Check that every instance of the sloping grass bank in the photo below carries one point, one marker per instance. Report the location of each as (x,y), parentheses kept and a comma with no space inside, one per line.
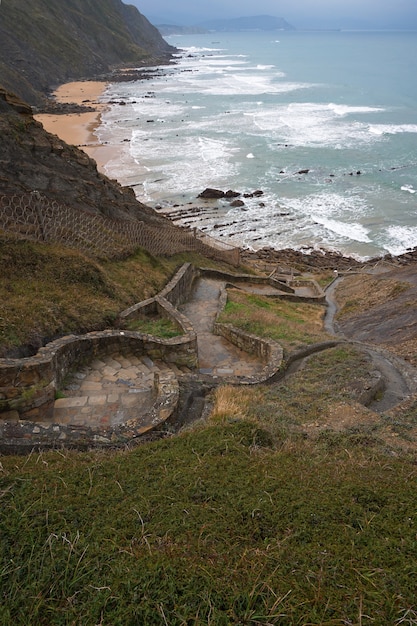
(292,324)
(48,291)
(222,525)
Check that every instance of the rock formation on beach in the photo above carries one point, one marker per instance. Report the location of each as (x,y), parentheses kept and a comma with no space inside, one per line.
(47,42)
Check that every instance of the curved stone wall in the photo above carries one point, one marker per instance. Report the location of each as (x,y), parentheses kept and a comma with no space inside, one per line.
(266,350)
(17,436)
(28,386)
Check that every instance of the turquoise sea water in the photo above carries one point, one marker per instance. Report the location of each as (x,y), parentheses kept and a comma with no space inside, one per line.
(249,111)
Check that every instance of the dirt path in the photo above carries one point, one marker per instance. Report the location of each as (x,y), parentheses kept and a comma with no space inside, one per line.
(369,329)
(380,310)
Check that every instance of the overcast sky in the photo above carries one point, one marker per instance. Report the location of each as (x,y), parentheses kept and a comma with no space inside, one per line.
(301,13)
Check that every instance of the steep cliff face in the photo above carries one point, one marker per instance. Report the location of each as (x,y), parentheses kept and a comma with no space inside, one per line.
(47,42)
(32,159)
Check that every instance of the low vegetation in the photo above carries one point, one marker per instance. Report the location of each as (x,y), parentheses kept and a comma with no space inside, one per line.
(49,291)
(239,520)
(305,401)
(292,324)
(362,292)
(290,504)
(158,327)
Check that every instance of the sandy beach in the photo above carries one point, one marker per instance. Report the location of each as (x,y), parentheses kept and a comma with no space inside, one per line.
(78,128)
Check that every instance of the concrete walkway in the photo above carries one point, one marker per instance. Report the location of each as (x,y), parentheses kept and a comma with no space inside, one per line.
(112,390)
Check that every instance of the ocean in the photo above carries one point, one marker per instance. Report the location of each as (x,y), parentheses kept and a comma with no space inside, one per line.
(250,111)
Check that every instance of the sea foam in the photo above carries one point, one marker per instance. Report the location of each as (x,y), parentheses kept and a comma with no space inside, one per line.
(248,114)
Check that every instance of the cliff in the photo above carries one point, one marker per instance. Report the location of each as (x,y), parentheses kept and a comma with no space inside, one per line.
(47,42)
(32,159)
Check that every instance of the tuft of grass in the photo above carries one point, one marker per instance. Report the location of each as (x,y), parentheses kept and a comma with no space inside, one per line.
(292,324)
(229,405)
(160,327)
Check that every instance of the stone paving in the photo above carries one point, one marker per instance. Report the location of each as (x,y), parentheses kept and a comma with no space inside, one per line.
(111,390)
(217,356)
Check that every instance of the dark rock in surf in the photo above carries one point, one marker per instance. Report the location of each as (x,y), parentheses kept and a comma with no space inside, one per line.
(211,194)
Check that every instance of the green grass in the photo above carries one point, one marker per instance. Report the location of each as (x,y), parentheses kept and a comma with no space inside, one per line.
(212,527)
(48,290)
(269,512)
(292,324)
(334,377)
(161,327)
(241,519)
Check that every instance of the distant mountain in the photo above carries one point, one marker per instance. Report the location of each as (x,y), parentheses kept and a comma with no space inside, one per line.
(256,22)
(47,42)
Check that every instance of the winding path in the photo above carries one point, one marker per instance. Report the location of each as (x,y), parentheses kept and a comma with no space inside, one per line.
(217,356)
(398,376)
(112,391)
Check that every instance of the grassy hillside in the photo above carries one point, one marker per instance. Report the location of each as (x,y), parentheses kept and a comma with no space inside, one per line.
(291,504)
(234,522)
(48,291)
(51,290)
(47,42)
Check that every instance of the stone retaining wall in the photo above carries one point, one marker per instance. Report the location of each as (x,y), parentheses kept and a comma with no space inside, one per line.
(245,278)
(17,437)
(319,296)
(29,385)
(286,286)
(180,287)
(176,292)
(266,350)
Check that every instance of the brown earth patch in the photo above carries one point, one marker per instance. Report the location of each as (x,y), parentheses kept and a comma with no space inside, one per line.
(343,417)
(381,310)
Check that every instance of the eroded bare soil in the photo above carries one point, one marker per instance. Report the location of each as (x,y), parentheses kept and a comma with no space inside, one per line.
(381,310)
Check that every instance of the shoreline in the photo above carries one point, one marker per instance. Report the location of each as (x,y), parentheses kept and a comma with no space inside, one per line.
(79,128)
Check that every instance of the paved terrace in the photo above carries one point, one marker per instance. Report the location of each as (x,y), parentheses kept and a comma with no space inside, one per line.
(112,390)
(108,392)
